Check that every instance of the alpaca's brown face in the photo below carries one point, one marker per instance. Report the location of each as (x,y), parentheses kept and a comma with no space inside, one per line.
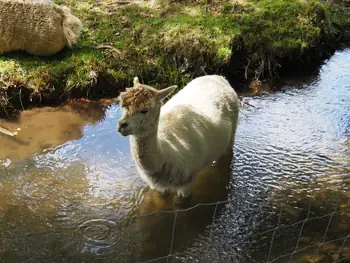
(141,108)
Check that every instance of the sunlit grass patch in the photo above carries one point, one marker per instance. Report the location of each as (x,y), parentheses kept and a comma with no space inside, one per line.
(172,44)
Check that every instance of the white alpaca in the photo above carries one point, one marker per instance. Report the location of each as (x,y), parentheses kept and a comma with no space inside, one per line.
(171,143)
(38,27)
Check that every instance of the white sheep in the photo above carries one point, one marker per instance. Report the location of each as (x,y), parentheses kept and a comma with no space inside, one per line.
(38,27)
(171,143)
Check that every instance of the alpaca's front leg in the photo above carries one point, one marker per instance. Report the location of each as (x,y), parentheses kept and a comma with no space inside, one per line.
(185,191)
(163,193)
(184,194)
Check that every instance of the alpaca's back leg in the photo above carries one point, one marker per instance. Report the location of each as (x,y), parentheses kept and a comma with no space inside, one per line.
(229,148)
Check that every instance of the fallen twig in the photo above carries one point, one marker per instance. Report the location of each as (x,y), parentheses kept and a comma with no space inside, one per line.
(124,2)
(110,47)
(246,102)
(246,69)
(7,132)
(106,46)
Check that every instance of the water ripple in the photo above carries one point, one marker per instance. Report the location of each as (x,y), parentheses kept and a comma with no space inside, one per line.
(99,233)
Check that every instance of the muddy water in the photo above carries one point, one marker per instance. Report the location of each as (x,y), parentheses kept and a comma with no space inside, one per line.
(69,190)
(47,127)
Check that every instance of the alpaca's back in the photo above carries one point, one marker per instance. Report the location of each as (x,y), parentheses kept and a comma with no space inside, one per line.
(211,95)
(199,122)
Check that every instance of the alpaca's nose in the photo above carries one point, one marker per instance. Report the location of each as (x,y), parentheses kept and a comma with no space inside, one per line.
(121,126)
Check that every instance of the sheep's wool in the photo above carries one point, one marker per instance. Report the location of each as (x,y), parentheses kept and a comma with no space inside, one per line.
(38,27)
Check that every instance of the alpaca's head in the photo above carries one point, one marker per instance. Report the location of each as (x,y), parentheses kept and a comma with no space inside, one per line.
(141,108)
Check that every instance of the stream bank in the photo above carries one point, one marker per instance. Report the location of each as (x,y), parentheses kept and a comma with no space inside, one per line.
(245,41)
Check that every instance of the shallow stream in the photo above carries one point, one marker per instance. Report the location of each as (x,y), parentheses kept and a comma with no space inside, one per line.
(69,191)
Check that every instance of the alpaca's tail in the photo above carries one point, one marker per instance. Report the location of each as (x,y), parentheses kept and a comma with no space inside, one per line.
(72,26)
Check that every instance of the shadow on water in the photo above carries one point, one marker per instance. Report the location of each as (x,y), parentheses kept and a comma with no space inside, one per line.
(70,192)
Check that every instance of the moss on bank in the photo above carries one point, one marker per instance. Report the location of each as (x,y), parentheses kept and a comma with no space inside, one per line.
(170,45)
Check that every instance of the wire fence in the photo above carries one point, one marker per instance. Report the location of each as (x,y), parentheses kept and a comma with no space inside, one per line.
(273,230)
(340,253)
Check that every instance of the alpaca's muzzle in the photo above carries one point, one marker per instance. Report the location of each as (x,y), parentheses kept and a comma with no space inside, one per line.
(122,128)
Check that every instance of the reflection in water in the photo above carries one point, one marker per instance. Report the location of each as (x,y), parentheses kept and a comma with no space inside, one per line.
(44,128)
(70,191)
(210,187)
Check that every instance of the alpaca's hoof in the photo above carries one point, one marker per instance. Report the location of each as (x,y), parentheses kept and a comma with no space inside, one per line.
(182,201)
(163,195)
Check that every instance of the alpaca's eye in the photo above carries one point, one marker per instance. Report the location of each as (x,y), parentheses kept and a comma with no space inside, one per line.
(144,111)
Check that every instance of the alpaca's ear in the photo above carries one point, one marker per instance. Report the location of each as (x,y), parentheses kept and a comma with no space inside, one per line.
(162,94)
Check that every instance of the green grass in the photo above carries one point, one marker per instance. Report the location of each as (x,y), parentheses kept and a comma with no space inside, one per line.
(170,45)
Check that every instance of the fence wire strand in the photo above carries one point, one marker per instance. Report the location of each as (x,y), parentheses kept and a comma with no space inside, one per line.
(301,231)
(129,240)
(325,234)
(341,248)
(172,236)
(343,259)
(274,233)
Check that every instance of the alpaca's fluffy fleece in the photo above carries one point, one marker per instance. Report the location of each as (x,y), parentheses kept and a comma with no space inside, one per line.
(38,27)
(196,127)
(171,143)
(137,97)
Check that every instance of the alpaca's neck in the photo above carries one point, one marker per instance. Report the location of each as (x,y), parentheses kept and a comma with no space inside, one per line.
(146,152)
